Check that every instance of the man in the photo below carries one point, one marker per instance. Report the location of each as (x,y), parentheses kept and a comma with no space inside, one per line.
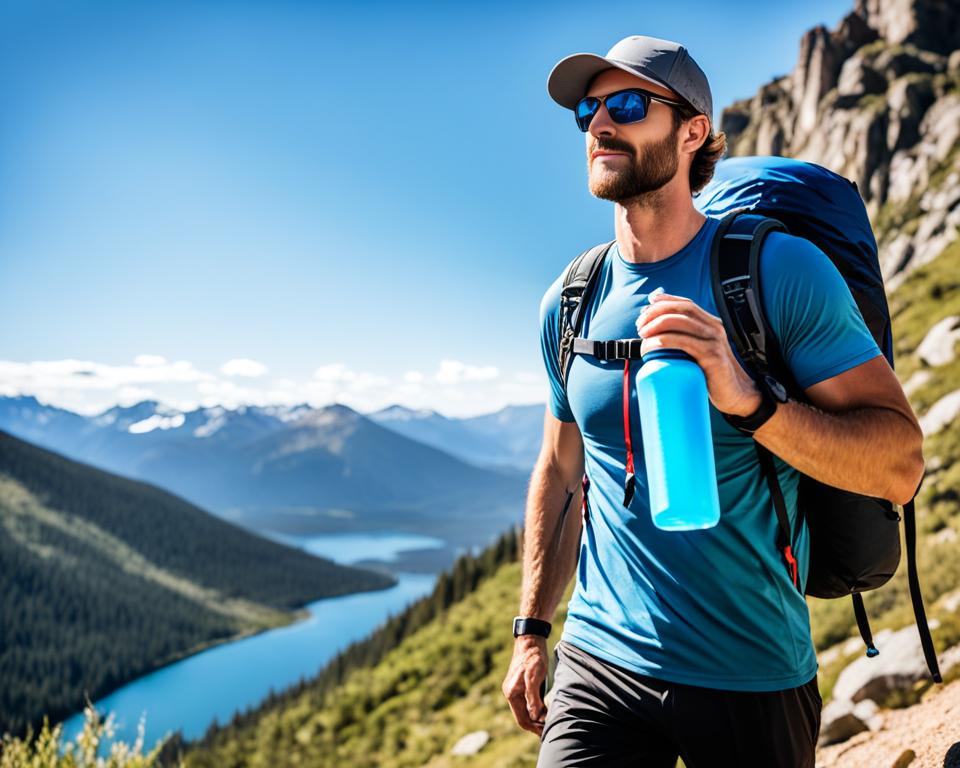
(692,644)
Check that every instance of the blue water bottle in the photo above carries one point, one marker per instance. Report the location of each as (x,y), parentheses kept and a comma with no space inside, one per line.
(677,442)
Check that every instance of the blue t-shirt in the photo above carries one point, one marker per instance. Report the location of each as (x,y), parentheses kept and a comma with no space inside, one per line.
(714,608)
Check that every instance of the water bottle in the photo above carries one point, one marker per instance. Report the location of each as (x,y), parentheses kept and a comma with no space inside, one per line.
(677,442)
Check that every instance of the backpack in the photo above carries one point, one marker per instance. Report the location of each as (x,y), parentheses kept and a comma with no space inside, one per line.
(854,539)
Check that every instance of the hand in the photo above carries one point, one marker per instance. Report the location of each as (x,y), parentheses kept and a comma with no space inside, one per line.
(521,687)
(679,323)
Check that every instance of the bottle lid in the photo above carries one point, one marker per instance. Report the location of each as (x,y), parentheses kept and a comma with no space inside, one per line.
(667,353)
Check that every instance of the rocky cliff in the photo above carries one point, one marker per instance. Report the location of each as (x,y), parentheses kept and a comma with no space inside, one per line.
(876,99)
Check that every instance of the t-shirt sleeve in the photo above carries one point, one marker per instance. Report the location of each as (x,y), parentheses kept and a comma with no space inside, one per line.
(811,311)
(549,346)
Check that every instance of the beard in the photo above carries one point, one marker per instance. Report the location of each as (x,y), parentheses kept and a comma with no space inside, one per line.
(640,181)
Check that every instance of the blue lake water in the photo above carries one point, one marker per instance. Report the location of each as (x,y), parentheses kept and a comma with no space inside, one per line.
(216,682)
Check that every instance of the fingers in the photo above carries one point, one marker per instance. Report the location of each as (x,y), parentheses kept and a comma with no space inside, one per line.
(523,688)
(535,707)
(516,697)
(665,303)
(677,322)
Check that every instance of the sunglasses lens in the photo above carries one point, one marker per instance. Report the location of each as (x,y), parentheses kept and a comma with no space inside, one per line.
(627,107)
(585,110)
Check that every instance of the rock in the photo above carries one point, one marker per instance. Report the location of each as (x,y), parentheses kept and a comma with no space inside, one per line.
(471,743)
(906,757)
(953,63)
(944,536)
(949,660)
(917,380)
(933,25)
(950,601)
(941,413)
(937,347)
(899,665)
(858,78)
(908,100)
(841,719)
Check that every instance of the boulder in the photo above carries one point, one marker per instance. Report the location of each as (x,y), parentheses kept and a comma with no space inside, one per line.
(471,743)
(937,347)
(941,413)
(899,665)
(841,719)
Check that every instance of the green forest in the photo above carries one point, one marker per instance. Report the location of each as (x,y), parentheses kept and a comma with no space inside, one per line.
(104,579)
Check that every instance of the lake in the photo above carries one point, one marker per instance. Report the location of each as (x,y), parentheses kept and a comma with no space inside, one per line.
(191,693)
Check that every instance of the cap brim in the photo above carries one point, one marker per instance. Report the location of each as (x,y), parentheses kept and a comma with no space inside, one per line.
(568,80)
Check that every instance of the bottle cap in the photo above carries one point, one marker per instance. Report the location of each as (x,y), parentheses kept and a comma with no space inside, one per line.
(667,353)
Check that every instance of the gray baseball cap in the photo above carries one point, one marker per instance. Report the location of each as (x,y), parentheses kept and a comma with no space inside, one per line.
(661,61)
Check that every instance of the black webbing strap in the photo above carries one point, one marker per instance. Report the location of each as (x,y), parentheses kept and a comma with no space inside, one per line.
(863,624)
(609,349)
(916,597)
(578,283)
(784,534)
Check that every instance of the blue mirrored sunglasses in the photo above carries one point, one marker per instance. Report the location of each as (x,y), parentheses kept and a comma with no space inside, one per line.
(627,106)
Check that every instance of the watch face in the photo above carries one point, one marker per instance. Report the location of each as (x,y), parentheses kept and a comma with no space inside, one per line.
(776,388)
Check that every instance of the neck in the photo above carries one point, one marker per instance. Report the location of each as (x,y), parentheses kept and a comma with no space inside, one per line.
(654,226)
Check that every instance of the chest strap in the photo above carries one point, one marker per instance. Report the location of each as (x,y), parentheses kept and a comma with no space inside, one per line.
(610,349)
(626,350)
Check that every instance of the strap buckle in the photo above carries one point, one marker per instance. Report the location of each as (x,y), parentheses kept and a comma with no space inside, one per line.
(615,349)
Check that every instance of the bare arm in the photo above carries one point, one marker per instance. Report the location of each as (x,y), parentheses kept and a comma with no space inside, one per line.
(551,541)
(859,434)
(551,544)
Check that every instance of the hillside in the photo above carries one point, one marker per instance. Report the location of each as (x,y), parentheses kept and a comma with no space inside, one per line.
(105,578)
(877,99)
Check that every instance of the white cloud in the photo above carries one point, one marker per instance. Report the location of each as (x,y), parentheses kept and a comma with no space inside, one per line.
(453,388)
(243,366)
(454,372)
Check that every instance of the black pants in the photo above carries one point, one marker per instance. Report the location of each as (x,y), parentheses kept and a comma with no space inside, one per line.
(604,715)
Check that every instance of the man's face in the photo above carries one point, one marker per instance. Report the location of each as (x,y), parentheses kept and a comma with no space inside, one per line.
(640,157)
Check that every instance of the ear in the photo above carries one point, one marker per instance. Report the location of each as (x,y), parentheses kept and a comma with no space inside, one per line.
(693,133)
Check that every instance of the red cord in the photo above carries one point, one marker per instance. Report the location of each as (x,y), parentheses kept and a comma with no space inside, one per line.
(792,563)
(626,415)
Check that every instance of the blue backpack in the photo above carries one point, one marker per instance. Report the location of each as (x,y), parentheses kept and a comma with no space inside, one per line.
(854,539)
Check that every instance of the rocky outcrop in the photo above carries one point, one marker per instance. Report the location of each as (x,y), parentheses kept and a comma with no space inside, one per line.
(930,24)
(877,99)
(899,665)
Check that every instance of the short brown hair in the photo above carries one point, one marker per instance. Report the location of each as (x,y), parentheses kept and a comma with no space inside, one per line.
(707,157)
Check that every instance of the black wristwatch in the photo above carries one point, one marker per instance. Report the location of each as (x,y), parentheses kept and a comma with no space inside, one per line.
(772,393)
(528,626)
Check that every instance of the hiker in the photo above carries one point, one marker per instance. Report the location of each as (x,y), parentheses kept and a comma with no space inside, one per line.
(686,644)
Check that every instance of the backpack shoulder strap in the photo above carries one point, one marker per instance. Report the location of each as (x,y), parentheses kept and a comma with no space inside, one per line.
(578,284)
(735,276)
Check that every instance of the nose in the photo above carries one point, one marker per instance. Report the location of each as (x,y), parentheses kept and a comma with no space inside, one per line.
(601,124)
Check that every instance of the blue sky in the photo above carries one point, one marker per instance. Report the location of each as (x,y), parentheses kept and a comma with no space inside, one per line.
(360,202)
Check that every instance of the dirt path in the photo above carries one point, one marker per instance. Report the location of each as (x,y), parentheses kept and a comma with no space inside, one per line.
(931,729)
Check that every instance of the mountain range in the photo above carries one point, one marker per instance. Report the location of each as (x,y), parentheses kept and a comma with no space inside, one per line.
(309,470)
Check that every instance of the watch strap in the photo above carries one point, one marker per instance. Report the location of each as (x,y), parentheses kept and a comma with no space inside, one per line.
(523,625)
(771,394)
